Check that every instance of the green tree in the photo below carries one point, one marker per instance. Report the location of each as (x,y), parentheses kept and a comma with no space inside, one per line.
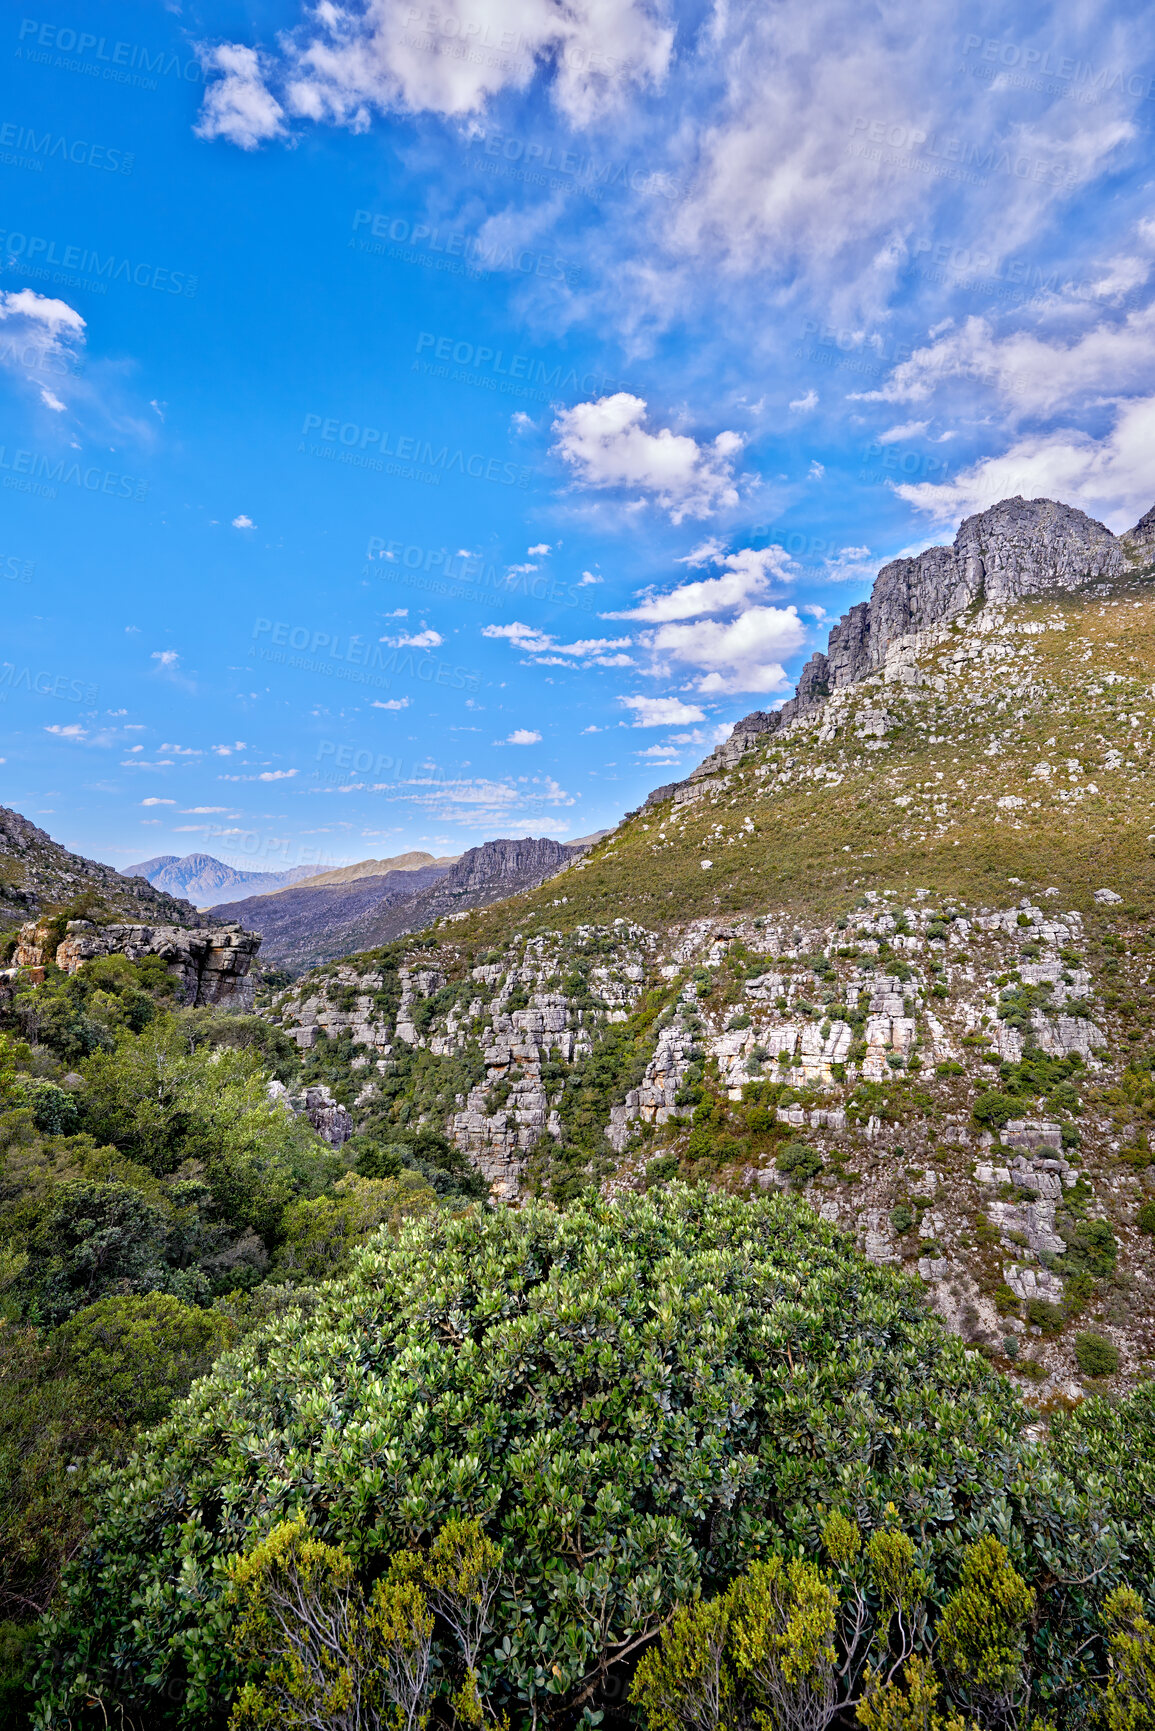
(319,1236)
(133,1356)
(1129,1701)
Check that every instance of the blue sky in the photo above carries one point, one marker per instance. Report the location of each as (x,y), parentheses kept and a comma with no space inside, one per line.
(426,423)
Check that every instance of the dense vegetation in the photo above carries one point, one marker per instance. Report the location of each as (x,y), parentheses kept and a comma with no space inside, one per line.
(155,1205)
(508,1446)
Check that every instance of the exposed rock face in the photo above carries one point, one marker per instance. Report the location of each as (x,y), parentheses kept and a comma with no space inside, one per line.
(213,964)
(1019,548)
(1139,542)
(333,1123)
(37,873)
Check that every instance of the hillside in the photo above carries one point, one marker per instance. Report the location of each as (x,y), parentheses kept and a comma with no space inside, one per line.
(890,947)
(38,876)
(311,923)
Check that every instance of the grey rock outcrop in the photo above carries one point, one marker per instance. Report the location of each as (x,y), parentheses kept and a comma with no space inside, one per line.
(1016,549)
(213,963)
(333,1123)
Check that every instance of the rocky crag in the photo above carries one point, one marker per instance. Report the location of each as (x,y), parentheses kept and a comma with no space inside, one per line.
(212,963)
(894,949)
(1018,549)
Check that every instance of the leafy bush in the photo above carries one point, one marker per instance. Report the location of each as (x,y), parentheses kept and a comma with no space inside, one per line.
(1096,1355)
(902,1218)
(994,1109)
(1044,1315)
(636,1401)
(1145,1219)
(798,1162)
(135,1355)
(321,1235)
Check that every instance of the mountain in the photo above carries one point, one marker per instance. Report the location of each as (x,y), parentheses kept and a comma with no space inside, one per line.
(313,922)
(207,881)
(38,875)
(378,868)
(889,946)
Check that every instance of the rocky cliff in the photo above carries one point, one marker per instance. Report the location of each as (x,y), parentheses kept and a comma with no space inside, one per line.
(1017,549)
(213,963)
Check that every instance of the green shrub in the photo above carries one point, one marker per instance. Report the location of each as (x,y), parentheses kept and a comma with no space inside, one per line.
(994,1109)
(902,1219)
(1096,1355)
(798,1162)
(1145,1219)
(662,1170)
(135,1355)
(1049,1317)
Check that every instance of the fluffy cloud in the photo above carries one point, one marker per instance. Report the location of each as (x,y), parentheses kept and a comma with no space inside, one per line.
(548,652)
(524,736)
(238,106)
(747,575)
(347,63)
(661,711)
(425,639)
(605,445)
(1109,477)
(741,655)
(390,703)
(1031,375)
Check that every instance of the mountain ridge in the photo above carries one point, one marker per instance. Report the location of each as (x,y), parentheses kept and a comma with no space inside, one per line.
(1014,550)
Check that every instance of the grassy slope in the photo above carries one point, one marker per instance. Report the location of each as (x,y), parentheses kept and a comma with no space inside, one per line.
(818,842)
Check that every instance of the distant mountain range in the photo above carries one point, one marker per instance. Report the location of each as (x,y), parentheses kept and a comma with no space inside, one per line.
(207,882)
(307,923)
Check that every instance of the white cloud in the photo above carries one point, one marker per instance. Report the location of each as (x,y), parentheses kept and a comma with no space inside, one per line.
(243,522)
(390,703)
(71,730)
(158,802)
(1110,477)
(803,405)
(541,549)
(276,775)
(347,63)
(238,106)
(660,753)
(202,810)
(548,652)
(1033,376)
(908,430)
(587,577)
(605,445)
(40,333)
(661,711)
(816,471)
(166,657)
(426,639)
(741,655)
(748,574)
(524,736)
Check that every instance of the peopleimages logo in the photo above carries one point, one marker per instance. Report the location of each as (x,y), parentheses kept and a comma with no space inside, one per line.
(33,472)
(434,459)
(39,253)
(54,146)
(356,657)
(118,63)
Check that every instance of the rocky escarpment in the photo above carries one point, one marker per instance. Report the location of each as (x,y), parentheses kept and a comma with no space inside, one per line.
(37,874)
(213,963)
(1018,549)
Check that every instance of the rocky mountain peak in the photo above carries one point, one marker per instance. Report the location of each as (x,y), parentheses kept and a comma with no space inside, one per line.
(1010,552)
